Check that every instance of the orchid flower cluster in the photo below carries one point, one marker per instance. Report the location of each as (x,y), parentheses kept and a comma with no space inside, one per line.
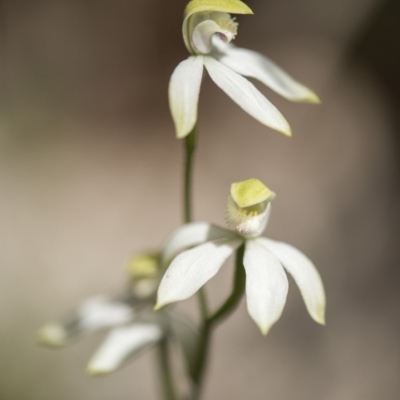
(138,317)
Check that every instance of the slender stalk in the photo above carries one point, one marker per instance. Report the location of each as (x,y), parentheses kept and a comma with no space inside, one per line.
(210,322)
(168,387)
(190,150)
(239,284)
(207,322)
(201,360)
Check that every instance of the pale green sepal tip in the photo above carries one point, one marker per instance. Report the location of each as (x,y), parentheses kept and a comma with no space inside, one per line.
(250,192)
(52,335)
(285,129)
(94,373)
(158,306)
(287,132)
(312,98)
(228,6)
(265,331)
(320,316)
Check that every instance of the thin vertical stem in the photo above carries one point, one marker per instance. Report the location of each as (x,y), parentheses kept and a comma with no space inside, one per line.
(207,322)
(168,387)
(190,150)
(239,283)
(202,359)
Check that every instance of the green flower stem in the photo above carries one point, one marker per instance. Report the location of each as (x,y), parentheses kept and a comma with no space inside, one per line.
(210,322)
(168,387)
(190,150)
(239,284)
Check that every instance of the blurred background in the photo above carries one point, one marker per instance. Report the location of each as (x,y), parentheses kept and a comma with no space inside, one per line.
(90,171)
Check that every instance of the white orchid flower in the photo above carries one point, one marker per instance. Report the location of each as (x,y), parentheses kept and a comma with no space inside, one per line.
(133,324)
(208,30)
(249,207)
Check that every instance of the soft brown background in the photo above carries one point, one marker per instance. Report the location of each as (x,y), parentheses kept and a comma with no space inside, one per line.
(90,171)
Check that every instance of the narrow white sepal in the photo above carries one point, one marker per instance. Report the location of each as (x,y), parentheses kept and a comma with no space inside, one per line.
(190,235)
(184,91)
(266,285)
(101,312)
(305,275)
(246,95)
(193,268)
(121,344)
(93,314)
(255,65)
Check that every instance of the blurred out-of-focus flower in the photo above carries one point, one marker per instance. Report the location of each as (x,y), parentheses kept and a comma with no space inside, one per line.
(208,29)
(130,316)
(249,207)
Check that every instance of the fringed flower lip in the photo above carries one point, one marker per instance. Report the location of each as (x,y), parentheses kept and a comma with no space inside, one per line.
(208,29)
(265,260)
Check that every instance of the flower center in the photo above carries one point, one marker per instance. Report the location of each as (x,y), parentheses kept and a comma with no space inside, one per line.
(249,206)
(203,27)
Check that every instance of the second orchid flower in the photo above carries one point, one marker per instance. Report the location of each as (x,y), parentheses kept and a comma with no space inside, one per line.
(208,29)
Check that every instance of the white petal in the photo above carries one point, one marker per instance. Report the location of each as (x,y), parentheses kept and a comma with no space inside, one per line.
(184,91)
(266,285)
(305,275)
(120,344)
(246,95)
(193,268)
(100,312)
(254,65)
(93,314)
(190,235)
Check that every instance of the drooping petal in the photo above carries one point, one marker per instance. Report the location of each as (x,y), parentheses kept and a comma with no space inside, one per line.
(305,275)
(247,96)
(190,235)
(121,344)
(255,65)
(93,314)
(193,268)
(266,285)
(99,312)
(184,91)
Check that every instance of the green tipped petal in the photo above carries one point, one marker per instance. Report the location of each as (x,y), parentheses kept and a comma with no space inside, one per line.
(121,345)
(184,92)
(193,268)
(94,314)
(250,192)
(255,65)
(304,273)
(246,96)
(266,286)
